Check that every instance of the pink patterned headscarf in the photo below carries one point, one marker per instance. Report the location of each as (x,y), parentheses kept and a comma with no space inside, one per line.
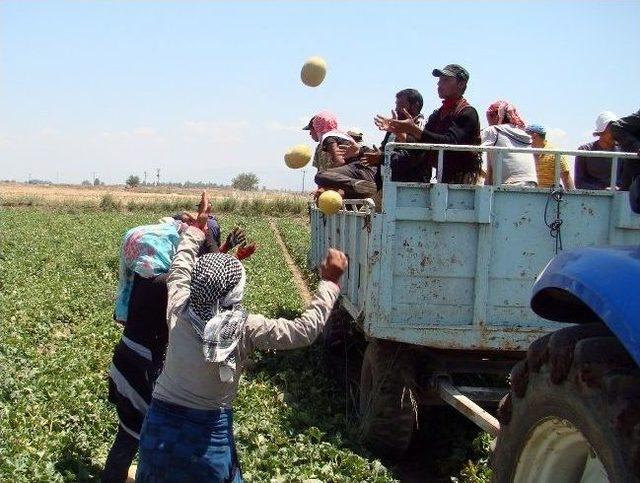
(502,108)
(323,122)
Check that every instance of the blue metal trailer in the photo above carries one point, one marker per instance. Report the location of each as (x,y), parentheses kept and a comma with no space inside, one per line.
(440,279)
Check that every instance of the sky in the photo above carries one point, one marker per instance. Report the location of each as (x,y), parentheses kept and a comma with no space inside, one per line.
(206,90)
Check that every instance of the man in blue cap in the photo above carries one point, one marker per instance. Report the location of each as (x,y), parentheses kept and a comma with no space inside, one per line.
(455,122)
(546,163)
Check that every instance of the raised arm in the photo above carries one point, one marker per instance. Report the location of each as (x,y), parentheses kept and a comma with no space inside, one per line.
(264,333)
(179,277)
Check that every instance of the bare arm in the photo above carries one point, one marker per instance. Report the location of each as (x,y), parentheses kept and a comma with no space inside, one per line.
(263,333)
(488,180)
(567,182)
(179,278)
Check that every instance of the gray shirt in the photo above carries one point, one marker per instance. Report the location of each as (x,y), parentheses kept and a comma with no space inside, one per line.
(187,379)
(517,168)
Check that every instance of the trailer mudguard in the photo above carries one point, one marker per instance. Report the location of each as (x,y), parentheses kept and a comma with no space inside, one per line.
(594,284)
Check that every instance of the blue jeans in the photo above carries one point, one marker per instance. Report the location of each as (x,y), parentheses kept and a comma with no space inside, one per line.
(179,444)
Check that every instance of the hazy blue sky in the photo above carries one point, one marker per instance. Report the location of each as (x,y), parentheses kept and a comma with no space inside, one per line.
(204,90)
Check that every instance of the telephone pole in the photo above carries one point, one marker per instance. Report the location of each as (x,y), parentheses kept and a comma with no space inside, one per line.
(158,177)
(145,178)
(304,171)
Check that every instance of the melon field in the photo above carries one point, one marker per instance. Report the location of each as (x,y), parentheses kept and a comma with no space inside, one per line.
(58,275)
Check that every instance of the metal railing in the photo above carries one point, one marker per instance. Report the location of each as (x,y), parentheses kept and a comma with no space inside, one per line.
(501,151)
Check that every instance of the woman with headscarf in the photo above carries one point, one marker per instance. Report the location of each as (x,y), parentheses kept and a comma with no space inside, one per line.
(323,129)
(141,306)
(506,129)
(188,432)
(337,158)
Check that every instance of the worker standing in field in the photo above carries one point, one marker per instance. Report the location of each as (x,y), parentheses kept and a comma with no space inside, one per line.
(188,432)
(141,306)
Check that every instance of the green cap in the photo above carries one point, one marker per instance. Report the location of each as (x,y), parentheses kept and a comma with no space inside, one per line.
(452,70)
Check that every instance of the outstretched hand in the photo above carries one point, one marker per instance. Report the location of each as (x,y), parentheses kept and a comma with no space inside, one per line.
(333,266)
(204,209)
(348,151)
(245,251)
(394,124)
(236,237)
(384,123)
(372,158)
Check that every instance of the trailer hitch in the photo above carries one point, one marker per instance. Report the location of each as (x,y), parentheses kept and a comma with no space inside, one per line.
(452,395)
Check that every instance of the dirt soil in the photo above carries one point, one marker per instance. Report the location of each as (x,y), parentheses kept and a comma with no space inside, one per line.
(303,290)
(67,194)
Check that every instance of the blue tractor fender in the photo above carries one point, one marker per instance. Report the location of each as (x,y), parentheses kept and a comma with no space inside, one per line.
(594,284)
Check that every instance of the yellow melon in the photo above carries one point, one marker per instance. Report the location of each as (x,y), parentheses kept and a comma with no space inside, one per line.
(313,71)
(330,202)
(298,156)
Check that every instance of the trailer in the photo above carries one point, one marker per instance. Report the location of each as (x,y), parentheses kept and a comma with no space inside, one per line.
(440,280)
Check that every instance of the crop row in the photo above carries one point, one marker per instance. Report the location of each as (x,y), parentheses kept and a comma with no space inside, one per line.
(296,237)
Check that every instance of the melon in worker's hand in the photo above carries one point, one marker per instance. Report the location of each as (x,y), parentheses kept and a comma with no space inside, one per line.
(330,202)
(313,71)
(298,156)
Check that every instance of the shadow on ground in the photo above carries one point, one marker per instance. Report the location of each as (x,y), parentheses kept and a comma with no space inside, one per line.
(75,464)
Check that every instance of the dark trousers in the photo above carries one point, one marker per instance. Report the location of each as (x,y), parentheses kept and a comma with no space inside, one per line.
(120,457)
(355,179)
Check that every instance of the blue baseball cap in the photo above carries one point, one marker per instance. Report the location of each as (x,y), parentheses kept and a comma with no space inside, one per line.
(536,128)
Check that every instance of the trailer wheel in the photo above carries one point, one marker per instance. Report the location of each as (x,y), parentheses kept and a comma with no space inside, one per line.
(573,412)
(387,406)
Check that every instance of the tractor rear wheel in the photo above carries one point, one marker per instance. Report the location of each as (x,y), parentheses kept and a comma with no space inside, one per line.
(573,412)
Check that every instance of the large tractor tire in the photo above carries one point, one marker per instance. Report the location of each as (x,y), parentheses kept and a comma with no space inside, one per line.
(573,412)
(387,406)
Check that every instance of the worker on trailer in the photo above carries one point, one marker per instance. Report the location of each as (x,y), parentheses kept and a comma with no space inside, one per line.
(595,173)
(406,165)
(188,432)
(339,170)
(626,132)
(506,129)
(455,122)
(546,162)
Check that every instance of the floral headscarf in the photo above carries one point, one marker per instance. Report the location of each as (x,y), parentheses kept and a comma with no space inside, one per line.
(146,250)
(502,108)
(323,122)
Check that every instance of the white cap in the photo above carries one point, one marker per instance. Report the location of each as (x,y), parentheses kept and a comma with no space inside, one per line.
(603,120)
